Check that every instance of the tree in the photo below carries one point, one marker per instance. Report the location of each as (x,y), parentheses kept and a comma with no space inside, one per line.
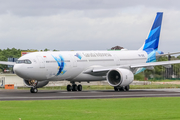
(46,49)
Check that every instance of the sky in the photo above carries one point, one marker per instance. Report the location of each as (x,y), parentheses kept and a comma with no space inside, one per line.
(87,24)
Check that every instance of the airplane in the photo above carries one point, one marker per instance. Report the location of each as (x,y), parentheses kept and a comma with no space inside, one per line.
(118,67)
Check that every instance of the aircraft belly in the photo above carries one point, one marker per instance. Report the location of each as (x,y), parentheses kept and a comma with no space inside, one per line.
(35,74)
(87,77)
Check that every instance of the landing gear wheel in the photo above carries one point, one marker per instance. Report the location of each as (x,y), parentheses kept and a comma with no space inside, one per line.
(121,89)
(74,87)
(79,87)
(115,89)
(69,87)
(127,88)
(33,90)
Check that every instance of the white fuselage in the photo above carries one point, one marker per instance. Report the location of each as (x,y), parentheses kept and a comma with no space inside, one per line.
(70,65)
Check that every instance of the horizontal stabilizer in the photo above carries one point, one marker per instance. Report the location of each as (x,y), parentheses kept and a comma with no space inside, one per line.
(155,64)
(158,55)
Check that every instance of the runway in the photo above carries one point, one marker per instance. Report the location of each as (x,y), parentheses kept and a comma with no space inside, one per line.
(95,94)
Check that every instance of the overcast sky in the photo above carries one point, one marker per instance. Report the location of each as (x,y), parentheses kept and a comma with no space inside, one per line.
(86,24)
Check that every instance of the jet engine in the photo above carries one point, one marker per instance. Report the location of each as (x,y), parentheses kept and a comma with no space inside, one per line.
(119,77)
(37,84)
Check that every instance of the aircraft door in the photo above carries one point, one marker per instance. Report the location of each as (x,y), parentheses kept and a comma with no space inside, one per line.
(74,61)
(117,60)
(41,62)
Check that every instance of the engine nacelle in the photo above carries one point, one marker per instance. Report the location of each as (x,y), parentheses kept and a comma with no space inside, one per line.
(38,84)
(119,77)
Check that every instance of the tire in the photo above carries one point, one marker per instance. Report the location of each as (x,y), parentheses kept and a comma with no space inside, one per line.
(74,87)
(35,90)
(121,89)
(69,87)
(115,89)
(32,90)
(79,87)
(127,88)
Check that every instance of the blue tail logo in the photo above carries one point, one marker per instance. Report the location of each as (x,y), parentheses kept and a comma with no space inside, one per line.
(152,41)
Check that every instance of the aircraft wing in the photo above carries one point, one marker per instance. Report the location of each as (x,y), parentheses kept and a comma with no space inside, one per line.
(7,63)
(141,65)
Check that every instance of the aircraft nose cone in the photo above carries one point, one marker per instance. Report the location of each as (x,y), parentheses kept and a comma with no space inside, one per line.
(18,70)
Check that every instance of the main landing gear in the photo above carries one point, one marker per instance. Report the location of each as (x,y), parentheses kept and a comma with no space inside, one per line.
(122,88)
(74,87)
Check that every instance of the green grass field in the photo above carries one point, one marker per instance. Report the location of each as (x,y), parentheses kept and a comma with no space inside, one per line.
(93,109)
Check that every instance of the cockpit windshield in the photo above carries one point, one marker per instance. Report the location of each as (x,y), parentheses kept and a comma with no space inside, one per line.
(23,61)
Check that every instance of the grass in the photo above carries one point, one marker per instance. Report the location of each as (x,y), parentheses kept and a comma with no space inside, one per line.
(165,80)
(92,109)
(155,86)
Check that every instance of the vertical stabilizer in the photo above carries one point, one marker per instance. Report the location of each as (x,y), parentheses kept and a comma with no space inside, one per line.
(152,41)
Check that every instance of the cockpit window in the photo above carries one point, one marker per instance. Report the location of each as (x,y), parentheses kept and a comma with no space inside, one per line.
(23,61)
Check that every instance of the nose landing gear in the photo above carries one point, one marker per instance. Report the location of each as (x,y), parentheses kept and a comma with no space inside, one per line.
(33,90)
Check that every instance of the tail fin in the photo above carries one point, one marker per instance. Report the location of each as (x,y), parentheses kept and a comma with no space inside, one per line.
(152,41)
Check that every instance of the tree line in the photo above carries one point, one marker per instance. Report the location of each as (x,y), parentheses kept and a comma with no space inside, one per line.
(161,72)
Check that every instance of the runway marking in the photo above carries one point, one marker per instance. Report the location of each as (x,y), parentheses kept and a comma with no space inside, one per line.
(97,96)
(82,92)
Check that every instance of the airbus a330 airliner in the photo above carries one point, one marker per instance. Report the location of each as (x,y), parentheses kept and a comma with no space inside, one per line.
(117,67)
